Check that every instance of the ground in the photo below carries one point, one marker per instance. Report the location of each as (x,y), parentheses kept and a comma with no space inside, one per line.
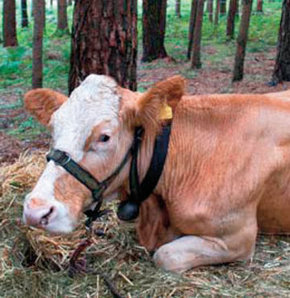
(35,264)
(209,79)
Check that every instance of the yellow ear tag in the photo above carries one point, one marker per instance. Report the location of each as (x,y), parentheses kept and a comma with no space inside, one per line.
(166,112)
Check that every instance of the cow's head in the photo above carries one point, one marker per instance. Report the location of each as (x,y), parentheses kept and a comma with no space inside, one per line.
(95,127)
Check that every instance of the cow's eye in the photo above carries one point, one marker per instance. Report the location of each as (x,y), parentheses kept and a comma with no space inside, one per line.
(104,138)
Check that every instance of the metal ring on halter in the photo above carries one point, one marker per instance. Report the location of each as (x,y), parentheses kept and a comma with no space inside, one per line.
(66,161)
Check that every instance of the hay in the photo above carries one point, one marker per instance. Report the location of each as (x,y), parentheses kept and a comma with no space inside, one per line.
(34,263)
(22,174)
(50,251)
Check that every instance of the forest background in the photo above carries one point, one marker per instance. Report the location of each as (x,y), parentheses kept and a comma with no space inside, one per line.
(33,264)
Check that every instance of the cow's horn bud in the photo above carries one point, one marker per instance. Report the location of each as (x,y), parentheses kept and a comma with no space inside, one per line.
(128,210)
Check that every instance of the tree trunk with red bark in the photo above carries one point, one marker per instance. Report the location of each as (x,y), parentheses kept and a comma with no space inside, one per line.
(223,7)
(9,24)
(192,20)
(231,19)
(195,58)
(210,10)
(259,5)
(154,23)
(39,16)
(217,12)
(282,65)
(104,41)
(62,16)
(177,8)
(24,16)
(242,41)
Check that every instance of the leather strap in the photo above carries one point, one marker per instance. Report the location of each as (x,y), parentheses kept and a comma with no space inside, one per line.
(129,209)
(140,192)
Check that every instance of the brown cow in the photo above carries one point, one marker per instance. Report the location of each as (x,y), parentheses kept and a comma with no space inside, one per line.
(227,172)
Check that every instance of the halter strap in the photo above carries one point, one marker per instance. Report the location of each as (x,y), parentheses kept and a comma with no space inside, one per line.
(97,188)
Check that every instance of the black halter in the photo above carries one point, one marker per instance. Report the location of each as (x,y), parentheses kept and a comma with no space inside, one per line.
(128,209)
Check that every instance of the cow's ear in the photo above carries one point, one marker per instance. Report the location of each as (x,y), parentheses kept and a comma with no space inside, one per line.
(42,103)
(150,104)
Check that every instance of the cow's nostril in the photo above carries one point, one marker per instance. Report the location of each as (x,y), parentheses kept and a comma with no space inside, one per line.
(45,218)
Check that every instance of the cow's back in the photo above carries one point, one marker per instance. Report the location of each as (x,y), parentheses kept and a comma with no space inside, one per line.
(229,156)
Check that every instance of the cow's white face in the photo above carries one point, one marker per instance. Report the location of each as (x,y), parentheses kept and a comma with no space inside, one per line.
(95,127)
(87,127)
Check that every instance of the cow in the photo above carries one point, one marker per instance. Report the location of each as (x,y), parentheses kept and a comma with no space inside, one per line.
(226,175)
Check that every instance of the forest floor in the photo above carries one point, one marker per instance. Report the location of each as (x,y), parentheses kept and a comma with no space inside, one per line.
(35,264)
(212,78)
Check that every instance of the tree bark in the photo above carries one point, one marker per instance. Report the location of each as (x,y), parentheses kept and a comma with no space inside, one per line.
(195,59)
(192,20)
(259,5)
(104,41)
(62,15)
(231,19)
(217,12)
(282,65)
(24,16)
(177,8)
(39,15)
(9,24)
(223,7)
(154,23)
(242,41)
(210,10)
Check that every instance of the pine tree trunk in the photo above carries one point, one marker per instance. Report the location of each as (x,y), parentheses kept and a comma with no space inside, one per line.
(195,59)
(154,23)
(39,15)
(177,8)
(242,41)
(282,65)
(223,7)
(231,19)
(51,2)
(192,21)
(217,12)
(62,15)
(104,41)
(9,24)
(24,16)
(259,5)
(210,10)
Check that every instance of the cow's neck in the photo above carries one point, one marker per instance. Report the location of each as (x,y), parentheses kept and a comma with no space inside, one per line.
(146,168)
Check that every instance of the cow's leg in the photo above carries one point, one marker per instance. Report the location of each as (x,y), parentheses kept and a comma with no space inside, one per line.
(153,225)
(193,251)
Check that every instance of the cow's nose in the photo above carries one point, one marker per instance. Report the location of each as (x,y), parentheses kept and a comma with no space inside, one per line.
(39,216)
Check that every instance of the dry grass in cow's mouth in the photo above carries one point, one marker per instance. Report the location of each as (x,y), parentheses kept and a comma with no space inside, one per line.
(33,263)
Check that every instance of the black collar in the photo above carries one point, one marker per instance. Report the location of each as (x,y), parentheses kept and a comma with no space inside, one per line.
(128,209)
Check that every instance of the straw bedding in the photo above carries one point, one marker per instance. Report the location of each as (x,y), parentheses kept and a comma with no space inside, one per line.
(35,264)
